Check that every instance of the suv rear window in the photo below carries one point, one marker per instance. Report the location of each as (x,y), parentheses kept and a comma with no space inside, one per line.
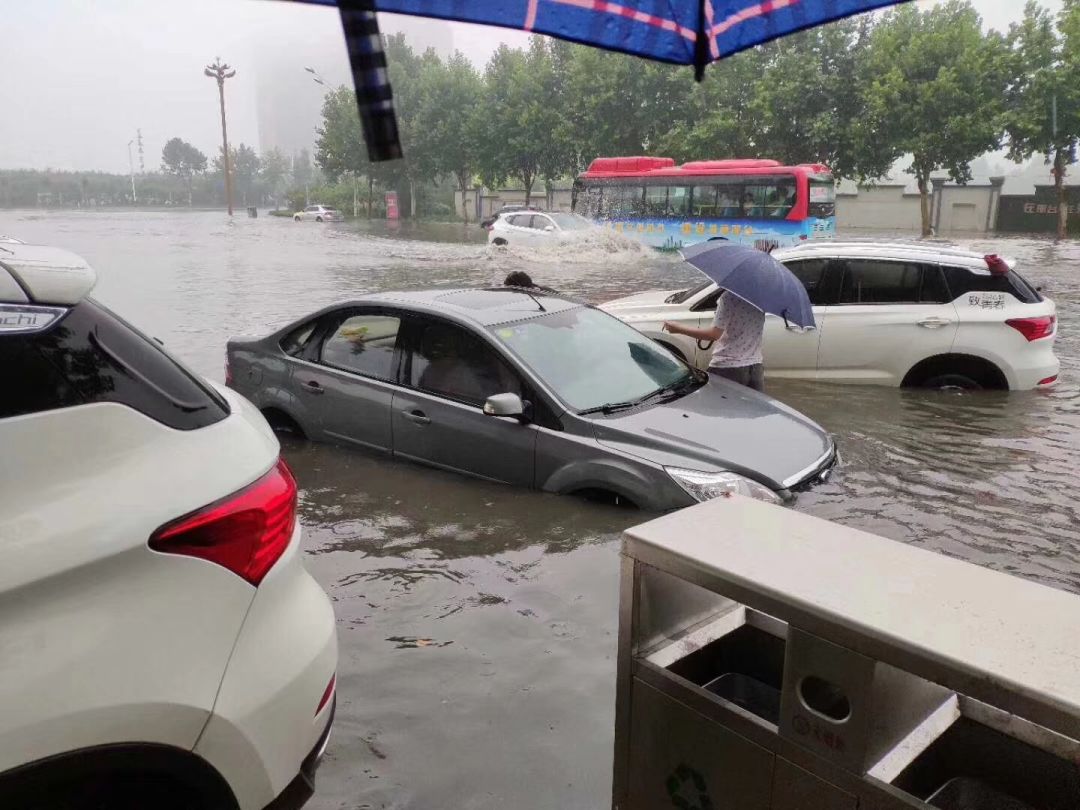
(94,356)
(962,281)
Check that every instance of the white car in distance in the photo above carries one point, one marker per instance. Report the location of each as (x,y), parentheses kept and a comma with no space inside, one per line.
(904,314)
(163,645)
(537,228)
(319,213)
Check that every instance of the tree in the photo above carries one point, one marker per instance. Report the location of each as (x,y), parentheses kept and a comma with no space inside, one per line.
(245,168)
(273,168)
(451,130)
(301,170)
(521,117)
(340,150)
(183,160)
(812,104)
(1043,105)
(935,90)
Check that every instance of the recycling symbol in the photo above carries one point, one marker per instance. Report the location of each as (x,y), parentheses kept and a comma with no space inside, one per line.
(687,789)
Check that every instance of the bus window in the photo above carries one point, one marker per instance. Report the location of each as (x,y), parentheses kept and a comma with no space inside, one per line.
(622,201)
(656,201)
(822,196)
(773,199)
(727,202)
(704,201)
(678,201)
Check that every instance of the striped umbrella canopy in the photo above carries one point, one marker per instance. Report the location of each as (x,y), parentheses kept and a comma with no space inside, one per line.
(685,32)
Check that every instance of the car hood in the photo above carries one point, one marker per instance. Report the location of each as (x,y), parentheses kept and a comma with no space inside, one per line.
(646,305)
(722,426)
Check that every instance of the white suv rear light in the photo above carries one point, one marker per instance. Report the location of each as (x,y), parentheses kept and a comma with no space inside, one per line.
(246,532)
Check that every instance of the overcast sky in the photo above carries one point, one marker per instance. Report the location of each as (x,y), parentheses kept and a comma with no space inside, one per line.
(80,76)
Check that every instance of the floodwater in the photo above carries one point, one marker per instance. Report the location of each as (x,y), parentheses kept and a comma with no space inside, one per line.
(477,622)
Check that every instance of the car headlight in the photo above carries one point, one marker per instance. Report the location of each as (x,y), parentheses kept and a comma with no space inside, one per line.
(704,486)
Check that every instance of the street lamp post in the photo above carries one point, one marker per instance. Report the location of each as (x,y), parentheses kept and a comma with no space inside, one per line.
(221,72)
(131,167)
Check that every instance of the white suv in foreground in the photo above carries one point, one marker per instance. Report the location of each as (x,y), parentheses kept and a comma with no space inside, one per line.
(163,645)
(887,314)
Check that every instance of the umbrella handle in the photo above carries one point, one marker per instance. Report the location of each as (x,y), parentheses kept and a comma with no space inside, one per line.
(784,316)
(707,346)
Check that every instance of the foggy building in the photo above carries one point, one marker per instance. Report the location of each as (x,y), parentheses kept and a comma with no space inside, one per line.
(288,100)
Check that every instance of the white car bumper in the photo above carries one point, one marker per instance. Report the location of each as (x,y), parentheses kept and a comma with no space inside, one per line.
(268,724)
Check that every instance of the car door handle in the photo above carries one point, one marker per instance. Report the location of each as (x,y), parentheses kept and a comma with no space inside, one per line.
(416,417)
(934,323)
(312,387)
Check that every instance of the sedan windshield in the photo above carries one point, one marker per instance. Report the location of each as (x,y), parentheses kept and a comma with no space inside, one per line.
(593,361)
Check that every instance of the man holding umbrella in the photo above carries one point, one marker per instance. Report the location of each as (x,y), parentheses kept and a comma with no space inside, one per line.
(754,284)
(736,333)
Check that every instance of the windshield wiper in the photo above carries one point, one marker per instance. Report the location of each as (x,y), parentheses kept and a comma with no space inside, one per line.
(612,407)
(671,388)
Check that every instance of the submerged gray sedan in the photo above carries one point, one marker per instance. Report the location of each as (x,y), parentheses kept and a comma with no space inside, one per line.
(528,388)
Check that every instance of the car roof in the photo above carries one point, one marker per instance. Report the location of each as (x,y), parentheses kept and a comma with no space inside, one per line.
(915,251)
(39,274)
(480,306)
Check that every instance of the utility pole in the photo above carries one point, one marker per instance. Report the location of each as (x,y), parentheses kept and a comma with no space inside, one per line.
(131,168)
(221,72)
(142,159)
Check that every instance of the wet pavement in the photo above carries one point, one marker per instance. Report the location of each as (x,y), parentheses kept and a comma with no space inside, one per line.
(477,622)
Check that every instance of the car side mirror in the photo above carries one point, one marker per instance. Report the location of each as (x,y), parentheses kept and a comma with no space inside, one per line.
(549,228)
(506,406)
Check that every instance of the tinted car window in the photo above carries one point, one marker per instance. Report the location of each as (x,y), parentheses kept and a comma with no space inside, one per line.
(540,222)
(962,281)
(293,343)
(810,272)
(448,361)
(867,281)
(933,289)
(32,383)
(363,344)
(101,358)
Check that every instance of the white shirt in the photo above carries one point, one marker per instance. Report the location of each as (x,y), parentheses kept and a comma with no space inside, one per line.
(743,325)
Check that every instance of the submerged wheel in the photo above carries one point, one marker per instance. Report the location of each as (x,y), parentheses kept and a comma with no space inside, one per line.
(498,240)
(296,218)
(952,382)
(318,219)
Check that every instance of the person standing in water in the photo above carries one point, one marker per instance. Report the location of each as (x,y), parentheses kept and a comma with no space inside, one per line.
(736,332)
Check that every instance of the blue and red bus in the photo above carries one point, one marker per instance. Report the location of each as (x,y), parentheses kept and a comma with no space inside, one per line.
(759,202)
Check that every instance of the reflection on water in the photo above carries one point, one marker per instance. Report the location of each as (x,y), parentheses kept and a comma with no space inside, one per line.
(477,621)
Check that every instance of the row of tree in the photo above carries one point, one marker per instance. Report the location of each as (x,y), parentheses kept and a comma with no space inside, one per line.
(257,178)
(187,177)
(856,95)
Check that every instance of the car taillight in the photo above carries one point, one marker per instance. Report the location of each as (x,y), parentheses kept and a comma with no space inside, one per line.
(246,532)
(1048,380)
(1033,328)
(228,371)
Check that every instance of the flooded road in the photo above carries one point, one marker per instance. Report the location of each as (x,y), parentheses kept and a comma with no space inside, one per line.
(477,622)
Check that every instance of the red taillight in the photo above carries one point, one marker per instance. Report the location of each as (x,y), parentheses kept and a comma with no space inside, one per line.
(327,694)
(228,371)
(802,237)
(246,532)
(1048,380)
(1033,328)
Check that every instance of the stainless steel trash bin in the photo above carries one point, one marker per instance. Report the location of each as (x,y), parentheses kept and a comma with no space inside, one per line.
(769,660)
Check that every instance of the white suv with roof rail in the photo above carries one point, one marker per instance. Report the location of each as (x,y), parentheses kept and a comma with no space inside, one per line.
(902,314)
(163,645)
(531,227)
